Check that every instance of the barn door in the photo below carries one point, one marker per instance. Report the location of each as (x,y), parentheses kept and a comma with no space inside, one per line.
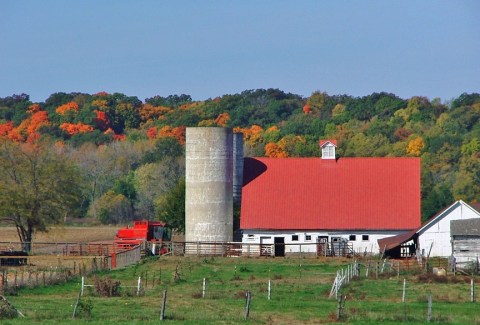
(265,248)
(322,245)
(279,246)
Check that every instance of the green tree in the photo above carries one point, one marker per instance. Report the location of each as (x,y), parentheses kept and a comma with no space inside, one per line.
(38,187)
(114,208)
(171,206)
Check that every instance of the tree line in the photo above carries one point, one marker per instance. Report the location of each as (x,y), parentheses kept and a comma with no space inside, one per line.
(124,158)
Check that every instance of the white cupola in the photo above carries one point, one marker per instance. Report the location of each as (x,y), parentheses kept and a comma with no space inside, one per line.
(328,148)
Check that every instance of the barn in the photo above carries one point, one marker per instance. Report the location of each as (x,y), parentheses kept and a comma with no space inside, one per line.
(433,237)
(317,205)
(465,241)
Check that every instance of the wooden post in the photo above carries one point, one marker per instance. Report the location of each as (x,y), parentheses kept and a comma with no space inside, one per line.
(204,287)
(269,289)
(139,283)
(164,304)
(404,290)
(247,307)
(429,311)
(340,307)
(80,293)
(398,270)
(82,286)
(472,290)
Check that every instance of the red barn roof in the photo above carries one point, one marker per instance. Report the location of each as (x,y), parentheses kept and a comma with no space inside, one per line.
(343,194)
(323,142)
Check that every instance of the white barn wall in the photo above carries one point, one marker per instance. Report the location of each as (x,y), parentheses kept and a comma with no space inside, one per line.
(309,246)
(437,231)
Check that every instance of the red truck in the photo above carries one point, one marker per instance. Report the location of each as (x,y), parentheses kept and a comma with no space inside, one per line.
(152,235)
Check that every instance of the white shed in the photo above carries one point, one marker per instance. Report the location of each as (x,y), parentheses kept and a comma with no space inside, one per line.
(433,237)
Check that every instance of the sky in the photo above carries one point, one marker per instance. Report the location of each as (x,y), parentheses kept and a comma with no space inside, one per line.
(211,48)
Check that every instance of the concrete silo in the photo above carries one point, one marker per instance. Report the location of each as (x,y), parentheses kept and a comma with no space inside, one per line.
(237,167)
(208,187)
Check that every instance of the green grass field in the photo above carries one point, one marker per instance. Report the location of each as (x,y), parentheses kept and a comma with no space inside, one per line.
(300,290)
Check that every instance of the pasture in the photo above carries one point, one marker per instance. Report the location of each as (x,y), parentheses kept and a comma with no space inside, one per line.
(212,290)
(63,234)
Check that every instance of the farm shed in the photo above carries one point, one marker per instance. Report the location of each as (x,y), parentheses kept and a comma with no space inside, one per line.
(316,204)
(465,240)
(432,238)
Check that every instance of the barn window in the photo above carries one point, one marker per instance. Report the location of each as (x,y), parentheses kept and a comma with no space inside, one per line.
(294,237)
(352,238)
(308,237)
(328,152)
(364,237)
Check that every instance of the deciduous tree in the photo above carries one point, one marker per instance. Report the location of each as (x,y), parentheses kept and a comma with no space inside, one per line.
(38,187)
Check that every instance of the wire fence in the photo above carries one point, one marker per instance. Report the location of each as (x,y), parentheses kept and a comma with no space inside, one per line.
(43,270)
(394,291)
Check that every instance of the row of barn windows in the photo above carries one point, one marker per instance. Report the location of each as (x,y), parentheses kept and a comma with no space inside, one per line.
(350,238)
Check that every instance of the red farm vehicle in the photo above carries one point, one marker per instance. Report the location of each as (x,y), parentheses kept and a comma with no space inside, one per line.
(152,235)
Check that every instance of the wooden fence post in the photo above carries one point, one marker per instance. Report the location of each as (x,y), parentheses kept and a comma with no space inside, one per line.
(340,305)
(269,289)
(139,283)
(404,290)
(472,290)
(247,308)
(204,287)
(429,311)
(164,304)
(80,293)
(82,286)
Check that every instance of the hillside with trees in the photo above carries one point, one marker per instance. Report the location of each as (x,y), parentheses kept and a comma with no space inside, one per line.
(127,155)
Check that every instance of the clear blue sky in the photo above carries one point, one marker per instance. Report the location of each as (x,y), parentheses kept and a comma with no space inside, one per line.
(207,48)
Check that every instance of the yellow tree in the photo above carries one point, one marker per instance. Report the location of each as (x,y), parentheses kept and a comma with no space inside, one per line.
(273,150)
(415,146)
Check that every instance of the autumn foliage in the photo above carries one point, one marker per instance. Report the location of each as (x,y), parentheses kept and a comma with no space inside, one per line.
(415,147)
(307,109)
(68,107)
(222,119)
(73,129)
(101,121)
(149,112)
(6,128)
(28,129)
(178,133)
(273,150)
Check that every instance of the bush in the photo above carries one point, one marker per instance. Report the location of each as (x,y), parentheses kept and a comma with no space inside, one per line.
(6,309)
(106,287)
(85,308)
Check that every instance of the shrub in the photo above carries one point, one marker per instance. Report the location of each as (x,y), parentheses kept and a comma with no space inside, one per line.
(6,309)
(106,287)
(85,308)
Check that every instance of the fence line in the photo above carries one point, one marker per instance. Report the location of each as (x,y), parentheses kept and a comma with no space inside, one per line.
(45,270)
